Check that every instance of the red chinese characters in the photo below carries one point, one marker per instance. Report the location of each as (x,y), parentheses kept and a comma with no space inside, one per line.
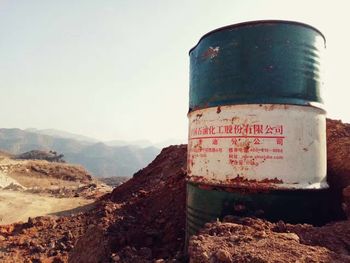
(239,130)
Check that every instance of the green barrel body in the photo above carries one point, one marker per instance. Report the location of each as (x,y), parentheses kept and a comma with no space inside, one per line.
(257,62)
(257,144)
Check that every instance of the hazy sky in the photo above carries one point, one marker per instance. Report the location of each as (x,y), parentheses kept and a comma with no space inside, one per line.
(119,69)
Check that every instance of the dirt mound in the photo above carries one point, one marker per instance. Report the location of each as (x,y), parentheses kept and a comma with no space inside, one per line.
(338,165)
(256,240)
(42,239)
(50,178)
(143,220)
(62,171)
(171,160)
(338,151)
(150,223)
(140,221)
(44,169)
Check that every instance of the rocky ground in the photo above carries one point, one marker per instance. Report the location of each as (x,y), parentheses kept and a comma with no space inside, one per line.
(256,240)
(140,221)
(143,220)
(55,179)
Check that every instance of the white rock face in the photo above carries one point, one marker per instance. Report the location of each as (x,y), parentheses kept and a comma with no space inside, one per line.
(8,182)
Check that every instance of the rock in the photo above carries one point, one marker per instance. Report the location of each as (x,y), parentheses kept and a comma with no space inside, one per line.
(205,256)
(52,245)
(62,246)
(69,235)
(290,236)
(115,257)
(260,234)
(321,244)
(39,248)
(223,255)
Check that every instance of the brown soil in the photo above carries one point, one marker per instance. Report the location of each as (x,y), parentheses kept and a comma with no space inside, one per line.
(150,223)
(346,201)
(62,171)
(140,221)
(256,240)
(143,220)
(42,239)
(338,152)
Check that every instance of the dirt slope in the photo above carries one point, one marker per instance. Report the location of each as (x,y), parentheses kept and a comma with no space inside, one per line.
(143,221)
(49,178)
(38,169)
(150,221)
(338,152)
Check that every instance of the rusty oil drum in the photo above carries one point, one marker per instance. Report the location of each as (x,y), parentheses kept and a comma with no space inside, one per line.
(257,142)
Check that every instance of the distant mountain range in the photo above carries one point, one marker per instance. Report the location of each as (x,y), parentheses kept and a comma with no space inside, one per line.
(145,143)
(82,138)
(101,159)
(62,134)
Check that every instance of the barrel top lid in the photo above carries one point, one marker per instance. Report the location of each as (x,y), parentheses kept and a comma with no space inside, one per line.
(258,22)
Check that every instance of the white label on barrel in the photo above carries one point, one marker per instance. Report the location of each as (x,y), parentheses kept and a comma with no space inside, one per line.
(266,145)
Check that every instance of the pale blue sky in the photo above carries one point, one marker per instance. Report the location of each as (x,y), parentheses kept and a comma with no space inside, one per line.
(119,69)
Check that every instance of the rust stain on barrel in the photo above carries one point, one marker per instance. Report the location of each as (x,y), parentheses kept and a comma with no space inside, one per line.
(238,183)
(211,53)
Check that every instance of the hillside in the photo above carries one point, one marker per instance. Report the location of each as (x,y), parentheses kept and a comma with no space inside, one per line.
(30,188)
(62,134)
(99,158)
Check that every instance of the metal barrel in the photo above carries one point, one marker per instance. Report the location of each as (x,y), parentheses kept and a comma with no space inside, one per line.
(257,142)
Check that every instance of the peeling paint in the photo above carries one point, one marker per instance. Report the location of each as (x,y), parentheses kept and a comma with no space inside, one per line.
(211,52)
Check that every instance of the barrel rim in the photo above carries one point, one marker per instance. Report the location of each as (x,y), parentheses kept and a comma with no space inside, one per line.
(257,22)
